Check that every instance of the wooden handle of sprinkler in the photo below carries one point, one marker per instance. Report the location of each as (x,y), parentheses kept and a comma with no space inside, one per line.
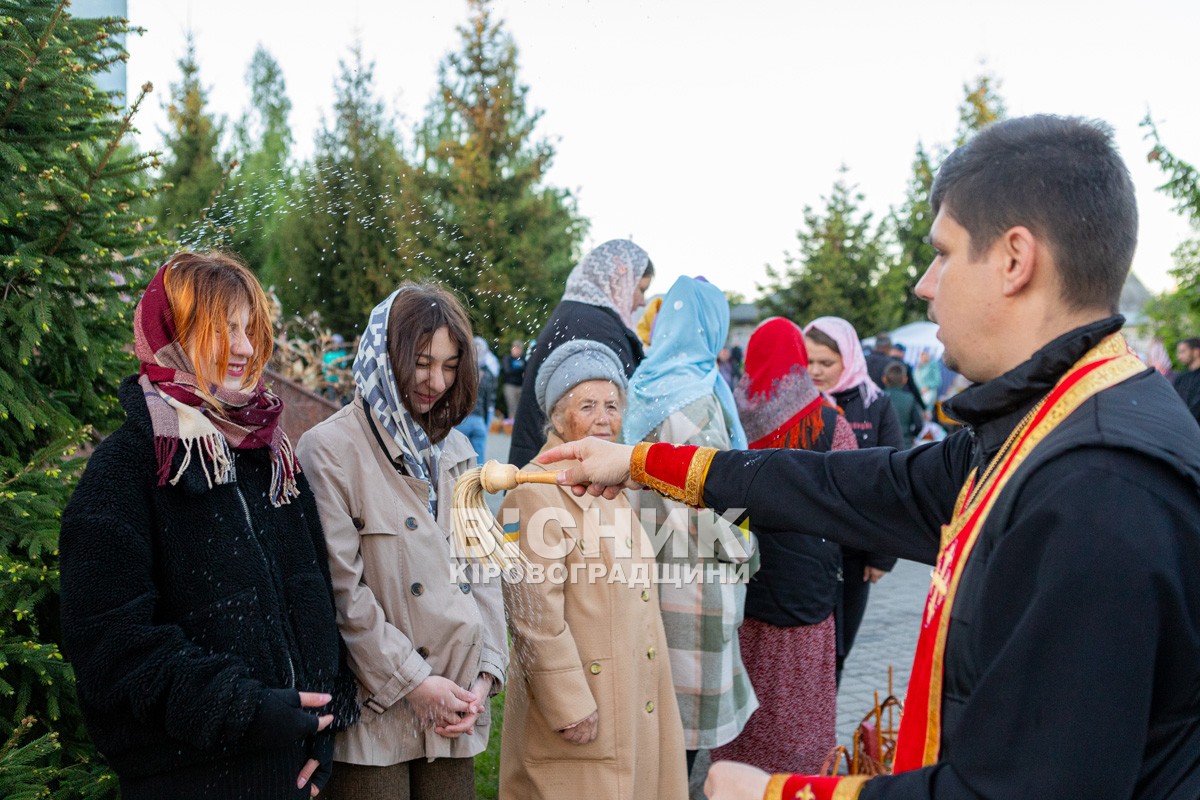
(497,477)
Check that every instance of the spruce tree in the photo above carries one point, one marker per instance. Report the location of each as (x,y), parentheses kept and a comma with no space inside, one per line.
(192,173)
(251,209)
(493,230)
(72,250)
(835,269)
(908,227)
(1175,314)
(344,234)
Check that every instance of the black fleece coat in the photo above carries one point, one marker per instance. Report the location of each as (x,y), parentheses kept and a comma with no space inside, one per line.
(1072,662)
(571,320)
(797,582)
(181,606)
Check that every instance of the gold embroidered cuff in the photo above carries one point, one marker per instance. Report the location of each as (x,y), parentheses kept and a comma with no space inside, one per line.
(775,787)
(850,787)
(696,475)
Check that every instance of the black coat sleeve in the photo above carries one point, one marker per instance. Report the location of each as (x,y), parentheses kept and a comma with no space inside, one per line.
(1089,645)
(880,500)
(125,661)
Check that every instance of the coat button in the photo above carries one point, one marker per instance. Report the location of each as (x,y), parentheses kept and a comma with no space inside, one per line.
(629,542)
(645,595)
(465,588)
(650,707)
(423,652)
(418,589)
(358,523)
(651,653)
(411,523)
(595,668)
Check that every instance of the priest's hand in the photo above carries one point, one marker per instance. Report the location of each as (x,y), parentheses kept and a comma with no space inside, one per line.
(603,471)
(729,780)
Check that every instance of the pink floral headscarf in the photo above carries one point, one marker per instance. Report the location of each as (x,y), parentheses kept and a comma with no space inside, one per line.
(854,372)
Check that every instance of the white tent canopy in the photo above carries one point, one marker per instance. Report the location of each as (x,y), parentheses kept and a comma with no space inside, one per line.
(918,337)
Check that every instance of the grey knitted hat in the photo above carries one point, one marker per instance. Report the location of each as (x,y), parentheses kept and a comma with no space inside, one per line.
(571,364)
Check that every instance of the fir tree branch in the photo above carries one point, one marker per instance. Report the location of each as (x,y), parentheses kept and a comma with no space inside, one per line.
(95,174)
(41,48)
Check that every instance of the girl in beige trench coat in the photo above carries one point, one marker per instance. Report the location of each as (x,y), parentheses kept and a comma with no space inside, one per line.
(590,710)
(425,632)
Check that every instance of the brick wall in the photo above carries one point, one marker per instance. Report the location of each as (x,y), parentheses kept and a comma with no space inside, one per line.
(301,408)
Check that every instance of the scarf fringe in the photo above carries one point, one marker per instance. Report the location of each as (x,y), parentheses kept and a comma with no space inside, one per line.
(801,436)
(214,455)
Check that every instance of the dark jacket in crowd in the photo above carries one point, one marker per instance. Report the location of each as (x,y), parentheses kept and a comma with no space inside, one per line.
(797,582)
(514,370)
(907,411)
(877,363)
(485,396)
(571,320)
(1072,662)
(1188,386)
(187,612)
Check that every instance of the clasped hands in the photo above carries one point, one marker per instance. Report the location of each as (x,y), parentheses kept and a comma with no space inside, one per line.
(451,709)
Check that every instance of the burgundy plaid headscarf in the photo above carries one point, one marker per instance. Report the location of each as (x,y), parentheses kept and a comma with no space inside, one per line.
(180,414)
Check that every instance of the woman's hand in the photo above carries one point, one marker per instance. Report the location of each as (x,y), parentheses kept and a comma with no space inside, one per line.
(481,688)
(729,780)
(443,703)
(584,731)
(872,575)
(603,471)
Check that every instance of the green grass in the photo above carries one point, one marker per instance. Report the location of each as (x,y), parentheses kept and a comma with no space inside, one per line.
(487,763)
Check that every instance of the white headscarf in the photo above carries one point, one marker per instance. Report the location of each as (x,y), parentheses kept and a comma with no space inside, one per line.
(608,277)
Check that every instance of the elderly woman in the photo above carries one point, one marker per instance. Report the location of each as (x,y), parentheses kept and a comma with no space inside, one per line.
(590,701)
(677,395)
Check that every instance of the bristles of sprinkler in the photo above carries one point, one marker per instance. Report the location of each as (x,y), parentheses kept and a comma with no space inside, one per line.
(477,534)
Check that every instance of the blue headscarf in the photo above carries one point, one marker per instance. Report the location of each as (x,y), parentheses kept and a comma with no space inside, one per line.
(690,329)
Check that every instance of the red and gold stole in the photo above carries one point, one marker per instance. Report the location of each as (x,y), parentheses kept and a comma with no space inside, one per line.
(1103,367)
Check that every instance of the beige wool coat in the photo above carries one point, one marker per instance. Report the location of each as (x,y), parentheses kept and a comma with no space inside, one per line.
(593,642)
(403,606)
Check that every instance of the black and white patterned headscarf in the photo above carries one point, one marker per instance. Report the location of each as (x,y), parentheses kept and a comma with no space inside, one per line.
(377,383)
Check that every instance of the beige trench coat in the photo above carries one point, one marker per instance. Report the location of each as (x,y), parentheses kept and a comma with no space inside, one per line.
(591,643)
(402,605)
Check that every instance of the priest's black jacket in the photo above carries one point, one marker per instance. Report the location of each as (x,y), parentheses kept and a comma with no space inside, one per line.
(1072,662)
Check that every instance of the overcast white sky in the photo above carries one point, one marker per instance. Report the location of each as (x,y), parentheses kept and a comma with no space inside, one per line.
(701,129)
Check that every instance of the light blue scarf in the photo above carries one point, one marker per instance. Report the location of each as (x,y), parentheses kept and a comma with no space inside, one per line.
(690,329)
(377,383)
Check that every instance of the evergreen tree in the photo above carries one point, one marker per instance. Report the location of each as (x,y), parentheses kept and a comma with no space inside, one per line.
(343,238)
(492,229)
(192,174)
(1175,314)
(835,269)
(982,106)
(251,210)
(70,241)
(908,226)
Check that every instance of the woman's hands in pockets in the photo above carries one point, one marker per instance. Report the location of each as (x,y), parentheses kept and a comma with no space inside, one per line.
(584,731)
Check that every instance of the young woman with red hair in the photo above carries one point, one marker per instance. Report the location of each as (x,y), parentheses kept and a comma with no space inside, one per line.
(197,609)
